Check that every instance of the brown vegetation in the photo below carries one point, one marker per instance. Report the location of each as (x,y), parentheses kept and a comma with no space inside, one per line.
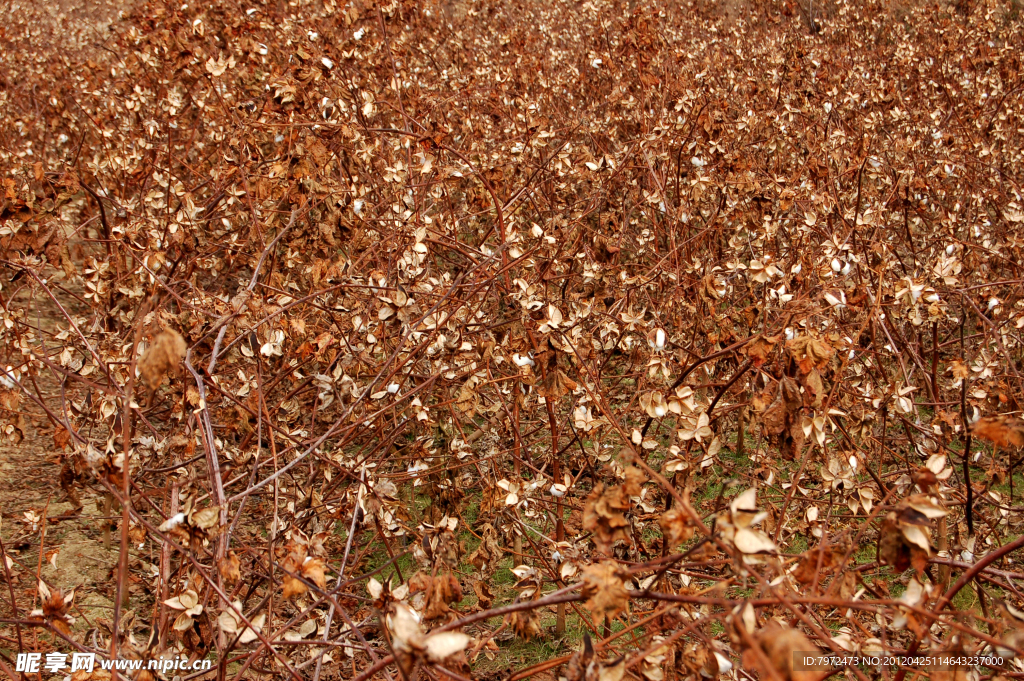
(661,341)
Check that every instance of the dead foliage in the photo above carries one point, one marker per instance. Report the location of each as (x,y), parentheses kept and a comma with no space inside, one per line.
(694,327)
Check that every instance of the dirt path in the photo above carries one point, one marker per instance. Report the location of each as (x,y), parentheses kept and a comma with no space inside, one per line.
(47,537)
(70,554)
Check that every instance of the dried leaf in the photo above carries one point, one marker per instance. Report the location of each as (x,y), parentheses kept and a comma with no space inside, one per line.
(676,526)
(439,592)
(605,592)
(230,568)
(484,597)
(292,587)
(779,644)
(809,353)
(313,570)
(603,515)
(807,567)
(635,478)
(486,556)
(1001,430)
(525,623)
(760,349)
(162,357)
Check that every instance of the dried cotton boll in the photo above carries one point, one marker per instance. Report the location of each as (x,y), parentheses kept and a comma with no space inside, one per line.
(523,360)
(657,339)
(162,357)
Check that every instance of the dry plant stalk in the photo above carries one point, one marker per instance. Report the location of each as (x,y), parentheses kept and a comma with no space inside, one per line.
(676,342)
